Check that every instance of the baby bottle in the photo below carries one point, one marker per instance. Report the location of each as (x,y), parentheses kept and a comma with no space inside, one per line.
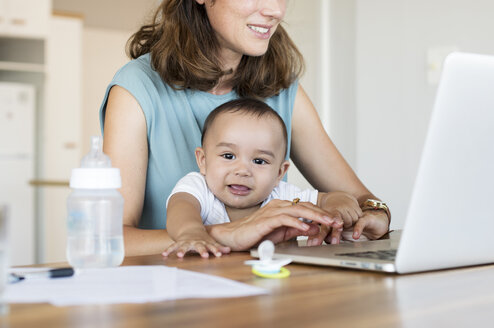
(95,210)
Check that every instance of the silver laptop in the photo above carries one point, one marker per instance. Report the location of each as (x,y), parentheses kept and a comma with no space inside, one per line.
(450,221)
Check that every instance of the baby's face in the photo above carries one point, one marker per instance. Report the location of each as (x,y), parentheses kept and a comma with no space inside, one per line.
(242,158)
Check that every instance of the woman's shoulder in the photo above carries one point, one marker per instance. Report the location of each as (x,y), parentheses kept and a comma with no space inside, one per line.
(291,89)
(143,82)
(285,95)
(284,101)
(138,69)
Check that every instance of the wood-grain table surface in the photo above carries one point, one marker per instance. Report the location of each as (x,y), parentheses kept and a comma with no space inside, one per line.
(311,297)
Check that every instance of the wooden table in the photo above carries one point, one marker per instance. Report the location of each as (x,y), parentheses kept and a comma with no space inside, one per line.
(311,297)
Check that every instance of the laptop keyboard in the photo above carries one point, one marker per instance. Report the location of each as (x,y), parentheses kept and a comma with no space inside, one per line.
(388,254)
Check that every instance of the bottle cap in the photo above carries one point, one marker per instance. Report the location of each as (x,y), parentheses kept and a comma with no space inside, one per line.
(95,178)
(96,171)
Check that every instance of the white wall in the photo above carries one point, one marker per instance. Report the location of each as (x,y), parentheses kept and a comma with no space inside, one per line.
(103,55)
(324,31)
(110,14)
(393,98)
(305,22)
(61,142)
(341,122)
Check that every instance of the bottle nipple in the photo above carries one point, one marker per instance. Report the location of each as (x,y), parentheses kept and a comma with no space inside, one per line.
(266,251)
(96,158)
(266,266)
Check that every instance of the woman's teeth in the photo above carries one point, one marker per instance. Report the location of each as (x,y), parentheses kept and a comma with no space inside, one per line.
(258,29)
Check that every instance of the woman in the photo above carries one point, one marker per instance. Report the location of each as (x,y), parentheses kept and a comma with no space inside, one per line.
(196,55)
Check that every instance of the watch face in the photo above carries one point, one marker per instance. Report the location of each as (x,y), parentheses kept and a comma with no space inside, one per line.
(375,204)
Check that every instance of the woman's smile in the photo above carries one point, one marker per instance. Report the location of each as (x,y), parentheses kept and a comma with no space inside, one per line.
(261,31)
(243,27)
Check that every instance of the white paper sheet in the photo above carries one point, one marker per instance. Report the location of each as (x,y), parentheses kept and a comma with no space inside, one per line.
(126,284)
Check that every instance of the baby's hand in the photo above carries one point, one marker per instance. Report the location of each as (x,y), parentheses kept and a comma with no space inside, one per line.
(345,204)
(340,205)
(203,244)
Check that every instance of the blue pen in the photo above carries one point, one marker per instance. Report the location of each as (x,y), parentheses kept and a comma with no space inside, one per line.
(52,273)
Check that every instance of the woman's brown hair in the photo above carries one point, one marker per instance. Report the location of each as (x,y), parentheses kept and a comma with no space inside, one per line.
(184,51)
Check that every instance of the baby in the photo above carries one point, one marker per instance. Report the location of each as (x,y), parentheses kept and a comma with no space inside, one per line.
(242,163)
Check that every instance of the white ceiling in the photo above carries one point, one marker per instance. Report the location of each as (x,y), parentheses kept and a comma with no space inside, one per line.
(112,14)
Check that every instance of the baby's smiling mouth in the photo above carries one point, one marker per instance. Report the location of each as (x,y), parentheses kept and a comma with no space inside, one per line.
(240,190)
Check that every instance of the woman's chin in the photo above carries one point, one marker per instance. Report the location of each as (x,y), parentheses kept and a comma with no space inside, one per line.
(256,51)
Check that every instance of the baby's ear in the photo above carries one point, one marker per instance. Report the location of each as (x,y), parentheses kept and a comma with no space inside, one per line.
(283,168)
(201,160)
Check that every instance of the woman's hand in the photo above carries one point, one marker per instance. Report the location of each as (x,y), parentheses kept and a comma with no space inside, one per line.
(278,221)
(372,225)
(287,233)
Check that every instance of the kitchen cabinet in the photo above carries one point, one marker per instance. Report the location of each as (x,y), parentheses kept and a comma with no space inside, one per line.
(25,18)
(17,105)
(50,61)
(22,76)
(62,129)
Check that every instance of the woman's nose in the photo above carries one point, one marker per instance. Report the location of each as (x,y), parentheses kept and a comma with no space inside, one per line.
(273,8)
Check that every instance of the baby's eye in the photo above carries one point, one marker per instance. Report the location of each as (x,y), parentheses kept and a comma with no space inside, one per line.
(228,156)
(259,161)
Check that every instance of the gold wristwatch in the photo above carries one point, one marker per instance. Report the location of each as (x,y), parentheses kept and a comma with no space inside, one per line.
(377,205)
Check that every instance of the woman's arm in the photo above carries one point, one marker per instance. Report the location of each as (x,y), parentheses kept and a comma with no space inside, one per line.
(324,167)
(125,141)
(316,156)
(277,221)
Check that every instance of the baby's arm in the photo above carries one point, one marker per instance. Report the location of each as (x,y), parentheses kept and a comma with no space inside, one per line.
(184,226)
(341,205)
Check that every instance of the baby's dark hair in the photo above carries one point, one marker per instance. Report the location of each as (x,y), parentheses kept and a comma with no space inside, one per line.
(248,106)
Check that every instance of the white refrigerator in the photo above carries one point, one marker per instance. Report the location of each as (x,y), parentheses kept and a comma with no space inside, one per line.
(17,133)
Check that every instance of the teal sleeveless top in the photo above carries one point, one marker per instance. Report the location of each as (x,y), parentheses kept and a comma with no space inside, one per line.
(174,120)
